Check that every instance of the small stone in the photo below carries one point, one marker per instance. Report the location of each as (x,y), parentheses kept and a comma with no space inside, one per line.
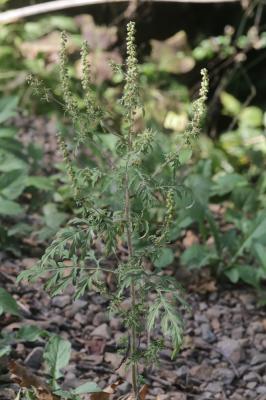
(61,301)
(258,359)
(261,389)
(214,387)
(116,324)
(225,375)
(100,318)
(102,330)
(230,348)
(34,359)
(75,307)
(207,333)
(251,385)
(252,376)
(237,333)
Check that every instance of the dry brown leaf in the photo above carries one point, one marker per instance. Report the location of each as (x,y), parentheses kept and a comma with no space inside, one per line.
(142,394)
(105,394)
(27,379)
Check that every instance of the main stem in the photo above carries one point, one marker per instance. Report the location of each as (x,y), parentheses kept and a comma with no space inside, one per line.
(134,367)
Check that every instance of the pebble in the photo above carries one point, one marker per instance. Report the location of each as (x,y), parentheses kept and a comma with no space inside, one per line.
(102,330)
(61,301)
(261,389)
(258,359)
(230,348)
(207,333)
(100,318)
(251,376)
(34,359)
(226,375)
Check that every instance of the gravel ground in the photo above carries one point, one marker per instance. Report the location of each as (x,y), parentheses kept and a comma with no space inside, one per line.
(223,357)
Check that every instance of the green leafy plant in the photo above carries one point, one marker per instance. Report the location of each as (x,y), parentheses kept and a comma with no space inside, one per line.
(56,356)
(117,198)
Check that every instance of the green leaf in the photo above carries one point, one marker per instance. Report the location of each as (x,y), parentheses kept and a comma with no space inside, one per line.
(230,104)
(52,217)
(227,183)
(197,256)
(249,275)
(29,333)
(9,207)
(255,234)
(57,355)
(165,257)
(88,387)
(260,252)
(7,303)
(185,155)
(40,182)
(251,117)
(5,350)
(232,274)
(8,107)
(12,184)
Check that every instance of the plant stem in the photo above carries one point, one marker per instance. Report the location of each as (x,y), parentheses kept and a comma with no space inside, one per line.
(134,368)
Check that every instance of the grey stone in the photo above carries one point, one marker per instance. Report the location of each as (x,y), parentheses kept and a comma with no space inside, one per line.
(230,348)
(61,301)
(34,359)
(261,389)
(102,330)
(258,359)
(251,376)
(226,375)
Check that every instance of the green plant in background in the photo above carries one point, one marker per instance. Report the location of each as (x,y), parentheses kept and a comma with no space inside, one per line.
(19,179)
(116,197)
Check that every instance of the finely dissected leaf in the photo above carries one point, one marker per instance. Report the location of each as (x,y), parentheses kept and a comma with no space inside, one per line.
(57,355)
(7,303)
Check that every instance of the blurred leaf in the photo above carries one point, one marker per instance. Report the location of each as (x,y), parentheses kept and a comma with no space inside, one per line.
(230,104)
(29,333)
(232,274)
(251,116)
(4,350)
(40,182)
(9,207)
(12,184)
(227,183)
(165,258)
(197,256)
(7,303)
(57,355)
(260,252)
(8,107)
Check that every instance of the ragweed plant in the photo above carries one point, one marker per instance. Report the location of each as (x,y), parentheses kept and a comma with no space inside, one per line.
(114,198)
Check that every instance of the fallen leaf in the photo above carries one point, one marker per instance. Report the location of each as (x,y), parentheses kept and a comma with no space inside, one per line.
(27,379)
(142,394)
(105,394)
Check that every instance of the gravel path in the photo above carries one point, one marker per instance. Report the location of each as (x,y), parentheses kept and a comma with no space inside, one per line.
(223,357)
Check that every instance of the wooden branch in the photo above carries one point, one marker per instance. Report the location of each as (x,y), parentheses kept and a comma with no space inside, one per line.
(50,6)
